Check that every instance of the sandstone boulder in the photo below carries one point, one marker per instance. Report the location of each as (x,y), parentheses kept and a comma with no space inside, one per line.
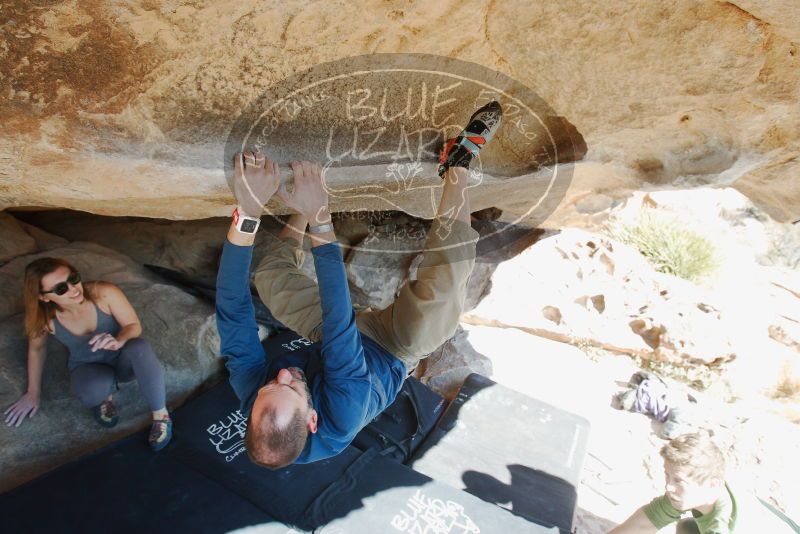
(588,290)
(580,287)
(446,368)
(20,238)
(784,318)
(124,108)
(16,241)
(756,283)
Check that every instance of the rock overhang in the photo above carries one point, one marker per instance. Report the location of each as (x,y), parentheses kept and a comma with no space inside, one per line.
(122,109)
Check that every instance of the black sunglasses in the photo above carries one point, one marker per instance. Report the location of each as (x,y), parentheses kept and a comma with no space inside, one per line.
(61,288)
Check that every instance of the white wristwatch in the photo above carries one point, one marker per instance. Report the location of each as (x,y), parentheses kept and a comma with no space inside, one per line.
(244,223)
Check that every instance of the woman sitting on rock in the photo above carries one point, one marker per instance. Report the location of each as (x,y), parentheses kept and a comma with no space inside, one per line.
(101,330)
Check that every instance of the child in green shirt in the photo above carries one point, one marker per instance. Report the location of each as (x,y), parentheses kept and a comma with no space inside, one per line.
(695,474)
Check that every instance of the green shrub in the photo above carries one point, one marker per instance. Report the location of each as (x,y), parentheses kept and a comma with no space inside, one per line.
(669,247)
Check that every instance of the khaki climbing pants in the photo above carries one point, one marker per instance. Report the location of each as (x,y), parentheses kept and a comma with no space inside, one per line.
(423,316)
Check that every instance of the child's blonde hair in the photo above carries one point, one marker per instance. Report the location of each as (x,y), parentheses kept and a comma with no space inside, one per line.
(696,456)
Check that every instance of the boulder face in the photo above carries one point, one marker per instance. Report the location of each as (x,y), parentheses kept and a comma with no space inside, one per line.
(737,321)
(592,290)
(16,241)
(128,108)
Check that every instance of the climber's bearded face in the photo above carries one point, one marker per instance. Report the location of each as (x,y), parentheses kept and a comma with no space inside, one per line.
(685,493)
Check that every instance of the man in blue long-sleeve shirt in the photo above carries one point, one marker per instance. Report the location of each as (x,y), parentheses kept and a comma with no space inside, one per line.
(306,408)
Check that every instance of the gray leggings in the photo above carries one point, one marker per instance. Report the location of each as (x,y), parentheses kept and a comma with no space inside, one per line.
(93,382)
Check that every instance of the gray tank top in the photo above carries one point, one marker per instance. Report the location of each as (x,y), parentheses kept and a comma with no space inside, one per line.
(79,350)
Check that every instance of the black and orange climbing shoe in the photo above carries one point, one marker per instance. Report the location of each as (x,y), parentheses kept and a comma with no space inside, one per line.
(459,151)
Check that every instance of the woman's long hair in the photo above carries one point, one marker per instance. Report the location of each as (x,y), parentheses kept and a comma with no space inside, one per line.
(39,313)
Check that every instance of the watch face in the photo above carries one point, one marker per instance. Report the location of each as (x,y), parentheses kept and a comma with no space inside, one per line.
(248,226)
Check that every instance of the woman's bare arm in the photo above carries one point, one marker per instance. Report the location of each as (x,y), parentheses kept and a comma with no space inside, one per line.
(28,404)
(122,311)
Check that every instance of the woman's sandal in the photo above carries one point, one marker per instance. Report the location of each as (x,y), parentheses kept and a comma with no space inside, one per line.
(160,434)
(105,413)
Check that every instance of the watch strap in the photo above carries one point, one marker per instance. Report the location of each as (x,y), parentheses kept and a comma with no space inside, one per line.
(321,229)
